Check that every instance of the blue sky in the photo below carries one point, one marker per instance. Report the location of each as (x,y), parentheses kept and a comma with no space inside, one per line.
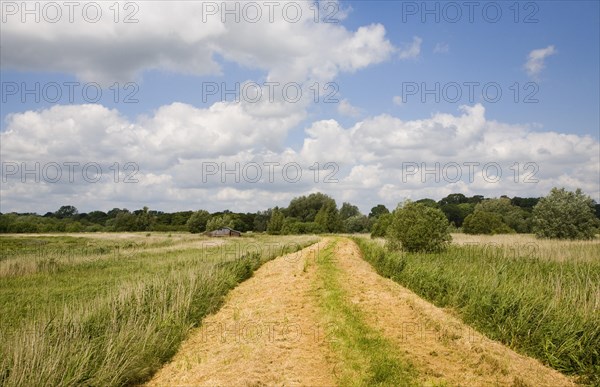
(542,56)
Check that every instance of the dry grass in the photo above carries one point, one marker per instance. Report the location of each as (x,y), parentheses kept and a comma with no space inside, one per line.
(540,297)
(104,320)
(528,246)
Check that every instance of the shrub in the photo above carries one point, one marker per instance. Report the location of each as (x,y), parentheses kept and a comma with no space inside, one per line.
(416,227)
(565,215)
(295,227)
(484,222)
(381,225)
(514,217)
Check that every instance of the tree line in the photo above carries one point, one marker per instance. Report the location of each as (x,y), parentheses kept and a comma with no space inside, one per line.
(314,213)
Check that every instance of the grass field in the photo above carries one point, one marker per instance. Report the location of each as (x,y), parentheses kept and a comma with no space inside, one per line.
(110,309)
(541,298)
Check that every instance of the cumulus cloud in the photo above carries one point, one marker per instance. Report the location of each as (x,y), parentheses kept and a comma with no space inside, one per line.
(187,37)
(191,158)
(536,60)
(347,109)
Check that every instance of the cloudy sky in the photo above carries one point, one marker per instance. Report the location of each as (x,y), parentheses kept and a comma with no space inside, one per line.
(245,105)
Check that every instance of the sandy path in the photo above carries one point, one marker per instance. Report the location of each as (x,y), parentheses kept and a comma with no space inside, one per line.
(266,333)
(441,347)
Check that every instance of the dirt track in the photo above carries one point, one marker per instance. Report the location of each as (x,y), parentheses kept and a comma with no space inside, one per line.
(265,334)
(270,332)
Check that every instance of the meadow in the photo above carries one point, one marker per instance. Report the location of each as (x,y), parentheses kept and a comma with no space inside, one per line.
(539,297)
(110,309)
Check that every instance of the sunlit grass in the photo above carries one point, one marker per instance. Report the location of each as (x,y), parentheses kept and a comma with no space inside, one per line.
(366,357)
(541,303)
(115,318)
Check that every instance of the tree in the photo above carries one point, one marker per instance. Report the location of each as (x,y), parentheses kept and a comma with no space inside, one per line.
(485,222)
(348,210)
(275,224)
(456,213)
(515,218)
(261,219)
(476,199)
(144,220)
(328,218)
(381,225)
(97,217)
(378,210)
(565,215)
(292,226)
(66,212)
(418,228)
(123,221)
(429,202)
(525,203)
(356,223)
(305,208)
(197,222)
(456,198)
(220,221)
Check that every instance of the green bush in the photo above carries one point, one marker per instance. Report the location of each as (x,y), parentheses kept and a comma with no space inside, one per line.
(381,225)
(416,227)
(295,227)
(514,217)
(565,215)
(484,222)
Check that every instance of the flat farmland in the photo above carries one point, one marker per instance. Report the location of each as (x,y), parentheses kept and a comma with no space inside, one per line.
(182,309)
(108,309)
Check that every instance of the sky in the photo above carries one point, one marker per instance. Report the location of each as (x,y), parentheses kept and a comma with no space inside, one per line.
(245,105)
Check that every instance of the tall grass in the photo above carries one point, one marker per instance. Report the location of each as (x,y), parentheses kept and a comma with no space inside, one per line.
(114,321)
(545,308)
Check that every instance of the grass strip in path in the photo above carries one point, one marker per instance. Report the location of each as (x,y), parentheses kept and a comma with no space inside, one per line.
(365,357)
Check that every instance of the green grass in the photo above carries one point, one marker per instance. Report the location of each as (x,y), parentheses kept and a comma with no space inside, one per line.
(366,358)
(547,309)
(113,319)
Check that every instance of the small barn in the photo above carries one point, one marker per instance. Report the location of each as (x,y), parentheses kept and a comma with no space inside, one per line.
(224,232)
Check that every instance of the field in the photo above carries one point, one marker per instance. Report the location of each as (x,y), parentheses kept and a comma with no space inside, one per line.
(539,297)
(109,309)
(122,309)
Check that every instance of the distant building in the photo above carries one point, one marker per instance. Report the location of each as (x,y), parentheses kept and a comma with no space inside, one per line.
(224,232)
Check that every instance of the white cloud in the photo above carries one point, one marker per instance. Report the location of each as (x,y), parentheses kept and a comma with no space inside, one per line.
(186,37)
(173,147)
(535,60)
(411,50)
(345,108)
